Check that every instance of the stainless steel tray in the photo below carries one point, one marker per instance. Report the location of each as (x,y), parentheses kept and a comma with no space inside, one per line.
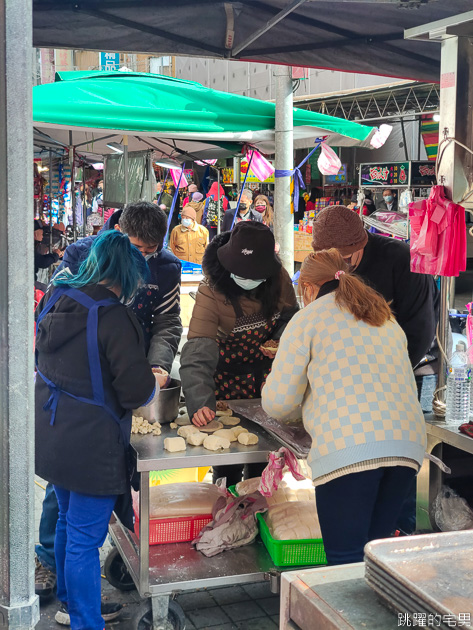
(437,569)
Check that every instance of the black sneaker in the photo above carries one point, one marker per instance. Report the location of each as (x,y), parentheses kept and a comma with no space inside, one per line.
(44,580)
(109,612)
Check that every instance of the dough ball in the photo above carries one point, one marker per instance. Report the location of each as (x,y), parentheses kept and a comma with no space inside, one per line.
(187,430)
(173,425)
(226,433)
(248,439)
(238,430)
(229,421)
(214,443)
(174,444)
(196,438)
(215,425)
(183,420)
(225,412)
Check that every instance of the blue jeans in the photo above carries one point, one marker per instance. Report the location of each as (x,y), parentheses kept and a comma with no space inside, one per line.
(47,529)
(360,507)
(81,530)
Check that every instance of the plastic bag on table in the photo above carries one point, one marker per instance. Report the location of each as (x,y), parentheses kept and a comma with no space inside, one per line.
(451,511)
(180,499)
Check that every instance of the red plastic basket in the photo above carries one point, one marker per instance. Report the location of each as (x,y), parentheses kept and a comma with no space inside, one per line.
(171,530)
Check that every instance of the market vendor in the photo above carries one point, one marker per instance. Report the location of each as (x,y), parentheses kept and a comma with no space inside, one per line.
(91,372)
(245,299)
(189,240)
(350,371)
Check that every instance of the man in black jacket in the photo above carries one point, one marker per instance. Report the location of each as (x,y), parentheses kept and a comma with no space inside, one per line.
(384,264)
(245,212)
(42,261)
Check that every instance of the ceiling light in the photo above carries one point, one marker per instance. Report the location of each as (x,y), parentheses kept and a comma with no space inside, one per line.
(436,117)
(115,146)
(167,163)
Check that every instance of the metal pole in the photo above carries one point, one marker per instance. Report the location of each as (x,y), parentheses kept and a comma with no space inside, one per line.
(404,140)
(19,606)
(50,201)
(283,219)
(84,202)
(125,166)
(73,185)
(218,201)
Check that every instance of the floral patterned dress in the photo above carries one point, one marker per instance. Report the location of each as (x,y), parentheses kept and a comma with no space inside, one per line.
(242,368)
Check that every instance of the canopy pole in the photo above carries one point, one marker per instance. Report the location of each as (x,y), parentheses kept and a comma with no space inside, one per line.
(73,185)
(125,166)
(50,201)
(218,201)
(19,606)
(283,219)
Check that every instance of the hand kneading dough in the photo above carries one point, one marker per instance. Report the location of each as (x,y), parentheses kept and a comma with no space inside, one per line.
(248,439)
(174,444)
(197,438)
(229,421)
(187,430)
(214,443)
(238,430)
(215,425)
(227,434)
(183,420)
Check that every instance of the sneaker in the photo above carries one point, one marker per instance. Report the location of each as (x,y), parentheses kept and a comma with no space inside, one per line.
(109,612)
(44,580)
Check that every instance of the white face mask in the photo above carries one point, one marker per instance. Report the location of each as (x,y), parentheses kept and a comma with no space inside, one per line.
(187,222)
(246,283)
(148,256)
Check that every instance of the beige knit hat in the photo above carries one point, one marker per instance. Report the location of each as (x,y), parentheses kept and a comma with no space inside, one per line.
(341,228)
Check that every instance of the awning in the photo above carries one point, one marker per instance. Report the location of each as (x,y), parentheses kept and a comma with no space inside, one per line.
(169,115)
(348,35)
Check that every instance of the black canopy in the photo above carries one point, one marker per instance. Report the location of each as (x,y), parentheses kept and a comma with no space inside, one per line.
(365,37)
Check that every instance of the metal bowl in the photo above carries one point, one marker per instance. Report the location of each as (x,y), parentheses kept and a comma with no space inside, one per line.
(166,406)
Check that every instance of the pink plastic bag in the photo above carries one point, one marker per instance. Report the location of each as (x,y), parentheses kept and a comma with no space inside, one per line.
(328,162)
(260,167)
(273,473)
(438,235)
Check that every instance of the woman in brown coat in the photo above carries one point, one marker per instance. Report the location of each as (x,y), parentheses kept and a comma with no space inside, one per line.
(246,299)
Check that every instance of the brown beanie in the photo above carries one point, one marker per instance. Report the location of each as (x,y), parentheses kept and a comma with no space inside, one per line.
(341,228)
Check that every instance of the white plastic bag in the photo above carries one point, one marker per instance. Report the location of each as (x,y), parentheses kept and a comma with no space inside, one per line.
(328,162)
(451,511)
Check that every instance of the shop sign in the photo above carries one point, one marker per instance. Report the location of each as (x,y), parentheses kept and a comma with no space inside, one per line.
(227,175)
(252,178)
(423,174)
(339,178)
(386,174)
(189,175)
(109,61)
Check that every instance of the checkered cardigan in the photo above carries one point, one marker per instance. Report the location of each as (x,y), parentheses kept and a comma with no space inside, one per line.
(355,384)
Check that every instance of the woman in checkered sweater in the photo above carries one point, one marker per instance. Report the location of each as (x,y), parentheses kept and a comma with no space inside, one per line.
(344,359)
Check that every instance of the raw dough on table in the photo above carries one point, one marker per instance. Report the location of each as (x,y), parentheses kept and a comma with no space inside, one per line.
(173,425)
(214,443)
(248,486)
(296,520)
(187,430)
(215,425)
(229,421)
(225,412)
(142,427)
(174,444)
(238,430)
(196,438)
(183,420)
(248,439)
(226,433)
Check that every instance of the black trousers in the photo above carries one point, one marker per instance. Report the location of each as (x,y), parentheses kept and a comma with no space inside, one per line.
(235,473)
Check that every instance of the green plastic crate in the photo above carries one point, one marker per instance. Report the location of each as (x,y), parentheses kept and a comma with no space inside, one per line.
(288,553)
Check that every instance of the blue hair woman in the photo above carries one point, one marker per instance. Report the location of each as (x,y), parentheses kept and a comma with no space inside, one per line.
(91,372)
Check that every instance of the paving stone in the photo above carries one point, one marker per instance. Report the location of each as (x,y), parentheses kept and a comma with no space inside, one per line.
(270,605)
(243,610)
(258,590)
(261,623)
(228,595)
(189,624)
(209,618)
(195,600)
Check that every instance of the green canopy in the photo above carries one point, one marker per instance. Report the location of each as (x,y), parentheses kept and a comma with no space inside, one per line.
(164,109)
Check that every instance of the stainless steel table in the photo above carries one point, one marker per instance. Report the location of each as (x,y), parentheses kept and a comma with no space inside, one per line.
(442,441)
(160,569)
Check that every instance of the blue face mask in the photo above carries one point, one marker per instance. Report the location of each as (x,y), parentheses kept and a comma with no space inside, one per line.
(246,283)
(388,198)
(187,222)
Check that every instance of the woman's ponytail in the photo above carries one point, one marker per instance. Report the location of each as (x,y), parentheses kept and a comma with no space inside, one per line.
(352,294)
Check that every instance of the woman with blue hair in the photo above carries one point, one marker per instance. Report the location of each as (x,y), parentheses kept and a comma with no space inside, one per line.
(91,372)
